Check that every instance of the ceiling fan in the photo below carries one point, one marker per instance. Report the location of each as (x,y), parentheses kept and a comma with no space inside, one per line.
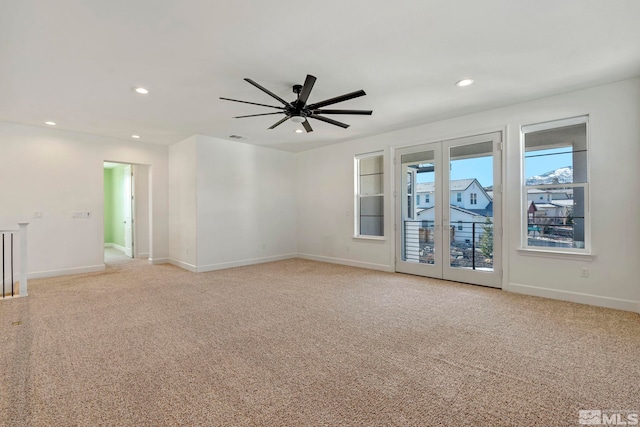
(299,111)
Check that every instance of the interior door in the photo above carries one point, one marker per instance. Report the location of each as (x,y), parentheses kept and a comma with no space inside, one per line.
(128,211)
(448,215)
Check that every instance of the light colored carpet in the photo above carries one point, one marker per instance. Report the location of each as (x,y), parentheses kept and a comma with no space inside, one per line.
(297,343)
(113,256)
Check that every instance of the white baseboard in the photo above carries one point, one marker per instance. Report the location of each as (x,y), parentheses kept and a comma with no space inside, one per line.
(244,262)
(115,246)
(65,271)
(142,255)
(597,300)
(189,267)
(158,261)
(351,263)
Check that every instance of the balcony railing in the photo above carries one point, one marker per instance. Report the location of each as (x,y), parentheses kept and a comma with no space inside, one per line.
(468,248)
(11,239)
(558,232)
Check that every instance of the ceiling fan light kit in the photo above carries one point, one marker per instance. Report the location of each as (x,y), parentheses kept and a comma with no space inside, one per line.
(299,111)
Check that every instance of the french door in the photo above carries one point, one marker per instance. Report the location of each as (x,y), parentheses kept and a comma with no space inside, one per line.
(448,200)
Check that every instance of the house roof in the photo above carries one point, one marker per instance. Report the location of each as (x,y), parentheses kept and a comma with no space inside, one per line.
(563,203)
(456,185)
(465,211)
(77,65)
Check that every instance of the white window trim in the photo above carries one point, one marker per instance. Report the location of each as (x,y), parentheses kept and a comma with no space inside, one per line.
(566,253)
(356,210)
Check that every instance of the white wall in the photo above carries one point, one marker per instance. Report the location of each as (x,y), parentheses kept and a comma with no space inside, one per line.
(142,205)
(182,203)
(57,173)
(232,201)
(325,196)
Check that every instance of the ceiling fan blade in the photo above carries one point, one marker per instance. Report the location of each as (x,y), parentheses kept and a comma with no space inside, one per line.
(268,92)
(360,112)
(337,99)
(306,88)
(256,115)
(280,122)
(307,126)
(252,103)
(328,120)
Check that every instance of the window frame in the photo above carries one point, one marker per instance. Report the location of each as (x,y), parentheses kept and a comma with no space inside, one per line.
(358,196)
(585,186)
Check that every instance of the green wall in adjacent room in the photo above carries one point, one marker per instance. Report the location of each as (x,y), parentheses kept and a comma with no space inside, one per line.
(114,205)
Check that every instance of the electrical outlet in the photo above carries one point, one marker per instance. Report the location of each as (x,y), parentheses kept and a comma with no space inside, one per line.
(37,215)
(584,272)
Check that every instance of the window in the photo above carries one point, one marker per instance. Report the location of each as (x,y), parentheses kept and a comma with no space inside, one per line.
(556,164)
(460,225)
(473,198)
(459,197)
(418,199)
(426,198)
(369,218)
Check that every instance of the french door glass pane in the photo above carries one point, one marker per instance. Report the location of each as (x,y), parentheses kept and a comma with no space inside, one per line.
(418,225)
(471,206)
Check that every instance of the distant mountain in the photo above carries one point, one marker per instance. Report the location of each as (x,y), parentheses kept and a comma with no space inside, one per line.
(558,176)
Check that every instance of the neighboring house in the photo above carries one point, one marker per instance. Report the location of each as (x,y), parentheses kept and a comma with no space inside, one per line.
(470,203)
(461,223)
(464,193)
(548,196)
(553,204)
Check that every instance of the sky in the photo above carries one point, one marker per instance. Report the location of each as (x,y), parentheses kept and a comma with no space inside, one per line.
(536,163)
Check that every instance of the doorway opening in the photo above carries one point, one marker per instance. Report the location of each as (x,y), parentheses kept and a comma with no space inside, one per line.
(126,212)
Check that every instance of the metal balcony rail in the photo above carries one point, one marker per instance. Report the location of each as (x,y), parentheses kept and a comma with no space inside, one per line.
(465,239)
(9,241)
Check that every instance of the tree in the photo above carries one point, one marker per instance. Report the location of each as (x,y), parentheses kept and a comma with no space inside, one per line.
(569,215)
(486,241)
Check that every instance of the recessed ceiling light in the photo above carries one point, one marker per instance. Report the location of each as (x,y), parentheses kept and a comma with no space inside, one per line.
(141,90)
(50,123)
(464,82)
(135,136)
(298,131)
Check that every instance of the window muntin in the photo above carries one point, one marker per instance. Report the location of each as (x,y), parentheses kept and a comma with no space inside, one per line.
(369,218)
(555,186)
(473,198)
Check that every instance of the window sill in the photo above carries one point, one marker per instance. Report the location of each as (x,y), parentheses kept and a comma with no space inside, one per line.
(557,254)
(370,238)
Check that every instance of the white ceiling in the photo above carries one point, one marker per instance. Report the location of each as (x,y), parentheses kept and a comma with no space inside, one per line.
(76,61)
